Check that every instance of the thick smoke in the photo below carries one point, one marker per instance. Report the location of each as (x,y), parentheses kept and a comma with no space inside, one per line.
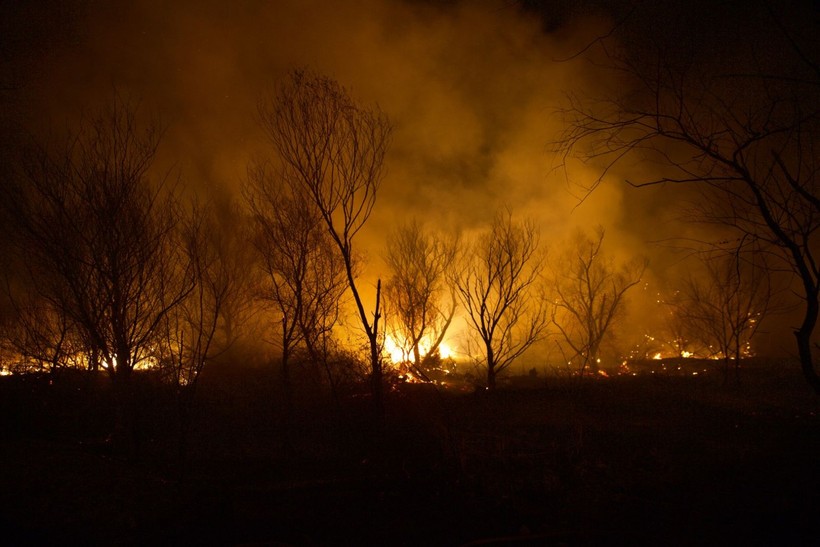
(472,88)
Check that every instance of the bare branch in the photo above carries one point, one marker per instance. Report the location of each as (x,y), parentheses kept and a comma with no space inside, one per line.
(498,286)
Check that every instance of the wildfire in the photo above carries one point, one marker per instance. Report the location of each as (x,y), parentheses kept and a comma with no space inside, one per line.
(397,354)
(392,349)
(146,363)
(444,351)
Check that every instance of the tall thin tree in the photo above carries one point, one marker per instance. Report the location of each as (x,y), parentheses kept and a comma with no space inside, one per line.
(304,276)
(334,149)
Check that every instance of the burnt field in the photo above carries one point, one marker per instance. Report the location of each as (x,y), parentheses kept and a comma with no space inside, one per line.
(644,459)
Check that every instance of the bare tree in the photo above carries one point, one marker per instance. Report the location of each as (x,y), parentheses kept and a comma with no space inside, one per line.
(418,293)
(498,286)
(724,309)
(743,133)
(239,259)
(589,292)
(677,337)
(334,149)
(40,334)
(189,328)
(100,240)
(305,276)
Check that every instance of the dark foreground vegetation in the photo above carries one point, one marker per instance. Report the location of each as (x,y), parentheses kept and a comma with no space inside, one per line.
(647,459)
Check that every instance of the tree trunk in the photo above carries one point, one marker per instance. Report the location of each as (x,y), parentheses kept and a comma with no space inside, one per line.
(125,437)
(93,360)
(376,380)
(184,426)
(490,367)
(287,397)
(806,361)
(287,387)
(491,377)
(726,360)
(737,360)
(593,359)
(803,335)
(582,370)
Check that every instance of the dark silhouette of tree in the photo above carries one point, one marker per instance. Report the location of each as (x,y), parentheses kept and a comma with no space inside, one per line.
(305,277)
(497,284)
(230,240)
(589,291)
(724,308)
(678,338)
(419,296)
(37,330)
(189,328)
(333,148)
(737,123)
(100,240)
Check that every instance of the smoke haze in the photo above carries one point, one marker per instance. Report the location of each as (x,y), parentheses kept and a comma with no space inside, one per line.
(473,90)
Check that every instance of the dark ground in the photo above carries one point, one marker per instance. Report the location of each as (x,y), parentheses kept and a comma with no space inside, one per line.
(634,460)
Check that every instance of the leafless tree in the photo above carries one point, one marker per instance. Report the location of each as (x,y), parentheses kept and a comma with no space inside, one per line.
(100,239)
(333,148)
(677,337)
(42,335)
(743,133)
(589,296)
(498,286)
(305,276)
(232,242)
(189,328)
(724,308)
(421,300)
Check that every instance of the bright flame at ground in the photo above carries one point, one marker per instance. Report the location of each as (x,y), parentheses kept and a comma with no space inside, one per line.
(148,363)
(399,355)
(444,351)
(392,349)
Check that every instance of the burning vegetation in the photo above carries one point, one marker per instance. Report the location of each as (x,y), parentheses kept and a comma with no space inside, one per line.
(406,272)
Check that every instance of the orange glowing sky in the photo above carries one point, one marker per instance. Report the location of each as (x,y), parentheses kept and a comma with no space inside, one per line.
(472,88)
